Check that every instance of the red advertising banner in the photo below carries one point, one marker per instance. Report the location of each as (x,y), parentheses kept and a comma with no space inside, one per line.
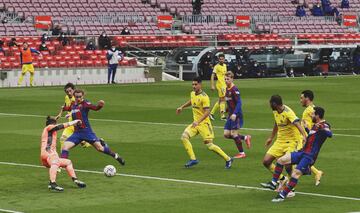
(243,21)
(164,21)
(42,22)
(350,20)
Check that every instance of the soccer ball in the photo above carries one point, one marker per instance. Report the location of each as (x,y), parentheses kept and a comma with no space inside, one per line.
(109,171)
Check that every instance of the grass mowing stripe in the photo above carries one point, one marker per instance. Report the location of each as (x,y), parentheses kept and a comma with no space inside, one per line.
(165,124)
(189,181)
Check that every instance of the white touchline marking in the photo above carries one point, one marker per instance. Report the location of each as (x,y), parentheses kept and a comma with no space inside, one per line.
(188,181)
(10,211)
(164,124)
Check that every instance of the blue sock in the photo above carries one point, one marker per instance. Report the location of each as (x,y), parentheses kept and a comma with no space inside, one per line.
(64,154)
(277,172)
(108,151)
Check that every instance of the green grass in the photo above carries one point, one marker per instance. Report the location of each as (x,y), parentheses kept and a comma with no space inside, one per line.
(155,150)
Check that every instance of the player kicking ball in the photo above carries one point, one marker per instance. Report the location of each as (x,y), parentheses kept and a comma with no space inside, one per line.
(200,103)
(79,110)
(304,158)
(50,158)
(235,118)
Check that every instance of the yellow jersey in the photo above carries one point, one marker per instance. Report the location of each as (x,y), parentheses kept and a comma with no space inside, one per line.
(68,103)
(199,103)
(307,117)
(220,71)
(287,131)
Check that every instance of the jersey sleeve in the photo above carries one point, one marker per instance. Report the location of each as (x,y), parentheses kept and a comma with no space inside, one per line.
(34,51)
(292,117)
(89,105)
(237,99)
(206,102)
(215,69)
(326,130)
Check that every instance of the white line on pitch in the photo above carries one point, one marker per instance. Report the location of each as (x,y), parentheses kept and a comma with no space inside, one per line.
(164,124)
(10,211)
(189,181)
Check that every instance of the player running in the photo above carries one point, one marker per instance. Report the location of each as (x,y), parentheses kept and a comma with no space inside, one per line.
(286,128)
(200,103)
(235,118)
(69,98)
(79,110)
(304,158)
(50,158)
(220,70)
(306,99)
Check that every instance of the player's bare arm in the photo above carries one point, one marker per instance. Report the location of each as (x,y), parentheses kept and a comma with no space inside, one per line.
(273,134)
(179,109)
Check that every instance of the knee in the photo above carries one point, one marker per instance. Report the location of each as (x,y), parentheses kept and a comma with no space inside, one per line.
(99,148)
(296,174)
(227,135)
(234,134)
(209,144)
(281,161)
(266,163)
(184,136)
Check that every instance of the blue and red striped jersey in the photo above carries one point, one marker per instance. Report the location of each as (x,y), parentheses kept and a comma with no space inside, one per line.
(81,111)
(317,136)
(233,101)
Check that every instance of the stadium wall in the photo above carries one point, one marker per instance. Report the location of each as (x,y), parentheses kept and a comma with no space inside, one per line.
(61,76)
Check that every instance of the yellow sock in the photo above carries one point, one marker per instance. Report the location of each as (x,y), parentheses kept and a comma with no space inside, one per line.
(272,169)
(314,170)
(215,108)
(61,144)
(218,151)
(188,148)
(20,79)
(31,79)
(222,108)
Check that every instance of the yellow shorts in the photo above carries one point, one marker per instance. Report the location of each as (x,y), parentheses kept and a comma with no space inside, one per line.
(221,90)
(279,149)
(27,68)
(68,132)
(204,129)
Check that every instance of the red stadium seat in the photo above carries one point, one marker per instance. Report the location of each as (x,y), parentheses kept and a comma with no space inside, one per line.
(71,63)
(52,64)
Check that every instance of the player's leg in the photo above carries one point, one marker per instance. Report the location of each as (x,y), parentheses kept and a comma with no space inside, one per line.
(54,163)
(279,166)
(72,141)
(222,105)
(106,150)
(317,174)
(32,72)
(67,164)
(188,133)
(109,72)
(213,147)
(296,174)
(23,72)
(230,132)
(113,73)
(214,110)
(65,135)
(238,142)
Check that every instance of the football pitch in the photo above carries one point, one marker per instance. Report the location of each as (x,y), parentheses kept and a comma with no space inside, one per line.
(140,123)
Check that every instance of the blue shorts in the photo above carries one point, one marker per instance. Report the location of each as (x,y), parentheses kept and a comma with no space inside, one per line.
(234,125)
(303,161)
(82,135)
